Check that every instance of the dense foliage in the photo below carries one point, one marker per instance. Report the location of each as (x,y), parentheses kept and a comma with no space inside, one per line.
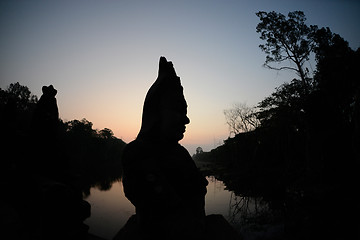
(304,154)
(74,150)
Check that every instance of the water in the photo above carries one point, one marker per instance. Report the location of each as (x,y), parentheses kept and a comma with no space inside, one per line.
(110,209)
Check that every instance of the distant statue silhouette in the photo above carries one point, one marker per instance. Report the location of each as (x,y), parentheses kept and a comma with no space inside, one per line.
(61,206)
(46,117)
(45,131)
(159,176)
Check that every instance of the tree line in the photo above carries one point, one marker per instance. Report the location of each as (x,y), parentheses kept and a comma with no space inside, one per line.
(299,147)
(63,151)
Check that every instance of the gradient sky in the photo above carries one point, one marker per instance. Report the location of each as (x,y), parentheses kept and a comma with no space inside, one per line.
(102,56)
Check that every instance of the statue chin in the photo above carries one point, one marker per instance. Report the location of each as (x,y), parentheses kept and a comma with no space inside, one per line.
(175,138)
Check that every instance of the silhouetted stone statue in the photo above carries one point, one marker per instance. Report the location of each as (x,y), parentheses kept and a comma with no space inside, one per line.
(45,131)
(59,201)
(46,117)
(159,176)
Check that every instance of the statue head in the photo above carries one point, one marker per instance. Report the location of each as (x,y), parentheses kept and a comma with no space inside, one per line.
(165,108)
(49,91)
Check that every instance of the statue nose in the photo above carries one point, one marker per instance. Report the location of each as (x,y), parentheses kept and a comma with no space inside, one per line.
(186,120)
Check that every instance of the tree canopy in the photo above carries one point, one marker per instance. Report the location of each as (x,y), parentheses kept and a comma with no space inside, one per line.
(74,147)
(287,39)
(303,155)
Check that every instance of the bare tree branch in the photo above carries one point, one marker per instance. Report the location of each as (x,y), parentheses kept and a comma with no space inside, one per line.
(241,118)
(281,68)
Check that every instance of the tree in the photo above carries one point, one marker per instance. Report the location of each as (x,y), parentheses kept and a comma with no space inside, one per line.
(287,39)
(80,129)
(241,118)
(106,133)
(16,108)
(283,107)
(337,81)
(18,96)
(336,63)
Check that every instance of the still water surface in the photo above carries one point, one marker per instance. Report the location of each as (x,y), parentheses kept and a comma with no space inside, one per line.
(110,209)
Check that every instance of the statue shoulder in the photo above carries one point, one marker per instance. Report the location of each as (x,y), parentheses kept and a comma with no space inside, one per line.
(134,152)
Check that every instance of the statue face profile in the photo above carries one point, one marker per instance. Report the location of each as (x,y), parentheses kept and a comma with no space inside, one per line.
(165,108)
(174,119)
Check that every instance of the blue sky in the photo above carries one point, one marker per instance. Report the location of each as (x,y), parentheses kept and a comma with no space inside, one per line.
(102,56)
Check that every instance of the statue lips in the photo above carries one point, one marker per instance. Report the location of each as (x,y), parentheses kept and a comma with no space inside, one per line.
(183,129)
(180,132)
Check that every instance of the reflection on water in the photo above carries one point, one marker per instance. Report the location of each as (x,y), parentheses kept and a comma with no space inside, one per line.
(238,210)
(242,208)
(250,216)
(217,198)
(110,209)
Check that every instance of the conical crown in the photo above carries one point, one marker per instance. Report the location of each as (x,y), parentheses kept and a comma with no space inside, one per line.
(167,87)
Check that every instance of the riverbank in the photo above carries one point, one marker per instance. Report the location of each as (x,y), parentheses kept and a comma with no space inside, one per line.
(251,214)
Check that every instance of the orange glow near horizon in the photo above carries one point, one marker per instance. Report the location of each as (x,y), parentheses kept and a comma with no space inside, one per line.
(127,128)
